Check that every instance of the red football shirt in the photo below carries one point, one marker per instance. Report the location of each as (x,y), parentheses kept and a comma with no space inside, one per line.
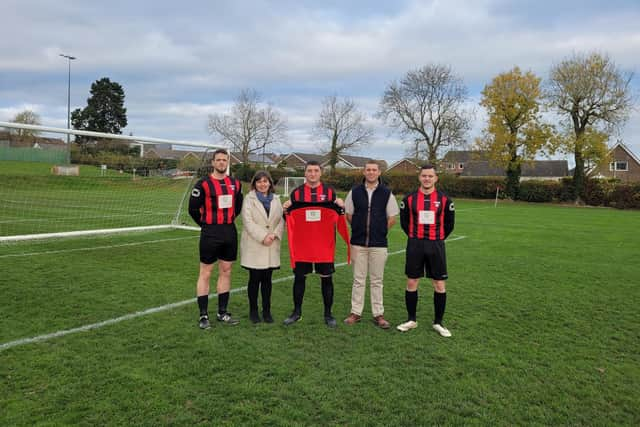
(312,233)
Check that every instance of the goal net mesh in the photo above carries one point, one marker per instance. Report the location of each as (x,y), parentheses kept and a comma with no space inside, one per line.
(111,184)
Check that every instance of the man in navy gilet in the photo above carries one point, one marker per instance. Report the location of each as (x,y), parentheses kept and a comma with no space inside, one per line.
(371,209)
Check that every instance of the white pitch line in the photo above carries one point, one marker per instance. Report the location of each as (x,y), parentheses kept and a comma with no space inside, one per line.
(130,316)
(94,248)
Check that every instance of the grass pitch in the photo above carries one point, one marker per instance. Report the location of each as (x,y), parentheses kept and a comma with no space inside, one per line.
(543,307)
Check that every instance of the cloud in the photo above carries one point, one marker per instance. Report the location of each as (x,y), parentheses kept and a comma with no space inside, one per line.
(179,62)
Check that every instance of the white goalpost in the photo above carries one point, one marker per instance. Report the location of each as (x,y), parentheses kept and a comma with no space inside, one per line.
(288,183)
(115,183)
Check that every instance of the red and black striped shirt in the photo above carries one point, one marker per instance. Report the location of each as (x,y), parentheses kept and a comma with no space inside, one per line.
(306,194)
(427,216)
(216,201)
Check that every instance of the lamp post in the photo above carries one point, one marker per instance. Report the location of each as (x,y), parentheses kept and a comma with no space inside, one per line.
(69,59)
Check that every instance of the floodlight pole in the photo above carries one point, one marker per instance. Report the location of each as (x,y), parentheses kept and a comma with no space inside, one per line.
(69,59)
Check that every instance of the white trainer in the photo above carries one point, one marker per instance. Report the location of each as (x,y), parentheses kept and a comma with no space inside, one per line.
(444,332)
(408,325)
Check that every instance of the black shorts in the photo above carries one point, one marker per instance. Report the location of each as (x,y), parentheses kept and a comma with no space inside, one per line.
(426,258)
(321,268)
(219,243)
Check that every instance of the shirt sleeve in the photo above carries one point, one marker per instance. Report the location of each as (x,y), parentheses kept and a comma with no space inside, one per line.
(348,204)
(404,215)
(239,198)
(392,206)
(449,217)
(196,201)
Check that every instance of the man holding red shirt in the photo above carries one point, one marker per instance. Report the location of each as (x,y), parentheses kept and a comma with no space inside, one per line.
(318,201)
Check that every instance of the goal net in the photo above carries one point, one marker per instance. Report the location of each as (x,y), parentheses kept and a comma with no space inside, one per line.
(114,183)
(286,184)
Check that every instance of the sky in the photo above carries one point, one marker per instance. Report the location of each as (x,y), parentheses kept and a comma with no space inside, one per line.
(179,62)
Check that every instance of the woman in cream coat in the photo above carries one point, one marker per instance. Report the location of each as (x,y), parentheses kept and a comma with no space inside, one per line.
(262,227)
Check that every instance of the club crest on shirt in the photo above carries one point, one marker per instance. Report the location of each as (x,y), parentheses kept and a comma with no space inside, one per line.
(436,204)
(322,197)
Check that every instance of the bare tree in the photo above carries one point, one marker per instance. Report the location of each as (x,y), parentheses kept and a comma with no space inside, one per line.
(249,128)
(427,108)
(341,128)
(26,117)
(594,97)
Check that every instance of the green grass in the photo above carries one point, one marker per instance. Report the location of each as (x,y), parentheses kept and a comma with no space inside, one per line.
(543,307)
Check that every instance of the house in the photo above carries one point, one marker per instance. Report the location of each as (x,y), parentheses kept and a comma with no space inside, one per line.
(346,161)
(623,165)
(538,169)
(405,166)
(455,161)
(170,154)
(299,160)
(256,159)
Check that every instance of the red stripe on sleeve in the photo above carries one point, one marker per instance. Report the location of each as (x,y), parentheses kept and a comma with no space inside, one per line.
(443,206)
(207,202)
(411,215)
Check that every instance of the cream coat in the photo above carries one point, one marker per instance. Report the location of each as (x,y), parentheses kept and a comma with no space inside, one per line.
(255,227)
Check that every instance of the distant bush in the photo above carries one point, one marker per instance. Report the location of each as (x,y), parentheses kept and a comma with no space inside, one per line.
(539,191)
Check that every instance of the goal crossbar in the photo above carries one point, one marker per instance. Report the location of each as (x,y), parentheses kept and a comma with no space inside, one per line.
(108,135)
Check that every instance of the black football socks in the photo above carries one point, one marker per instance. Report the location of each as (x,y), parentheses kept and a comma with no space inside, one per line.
(411,300)
(439,303)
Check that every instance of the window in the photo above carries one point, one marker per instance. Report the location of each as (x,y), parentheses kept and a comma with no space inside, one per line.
(450,166)
(460,165)
(618,166)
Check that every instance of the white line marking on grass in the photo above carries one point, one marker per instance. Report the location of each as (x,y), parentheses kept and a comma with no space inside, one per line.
(66,219)
(474,209)
(94,248)
(39,338)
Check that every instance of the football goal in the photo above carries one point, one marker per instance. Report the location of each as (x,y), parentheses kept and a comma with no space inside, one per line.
(114,183)
(286,184)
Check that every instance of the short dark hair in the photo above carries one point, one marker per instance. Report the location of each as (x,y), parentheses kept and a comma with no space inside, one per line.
(312,163)
(372,162)
(220,151)
(258,176)
(427,166)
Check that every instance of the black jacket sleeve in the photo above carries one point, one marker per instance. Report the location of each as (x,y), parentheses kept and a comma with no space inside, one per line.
(449,217)
(196,201)
(405,211)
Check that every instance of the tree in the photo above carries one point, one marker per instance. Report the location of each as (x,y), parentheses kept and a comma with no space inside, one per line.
(249,128)
(341,128)
(593,97)
(26,117)
(105,111)
(427,107)
(514,132)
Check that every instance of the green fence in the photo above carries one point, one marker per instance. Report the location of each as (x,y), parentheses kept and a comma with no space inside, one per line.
(26,154)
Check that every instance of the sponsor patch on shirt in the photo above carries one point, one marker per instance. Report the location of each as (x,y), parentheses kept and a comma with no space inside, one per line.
(313,215)
(195,192)
(225,201)
(426,217)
